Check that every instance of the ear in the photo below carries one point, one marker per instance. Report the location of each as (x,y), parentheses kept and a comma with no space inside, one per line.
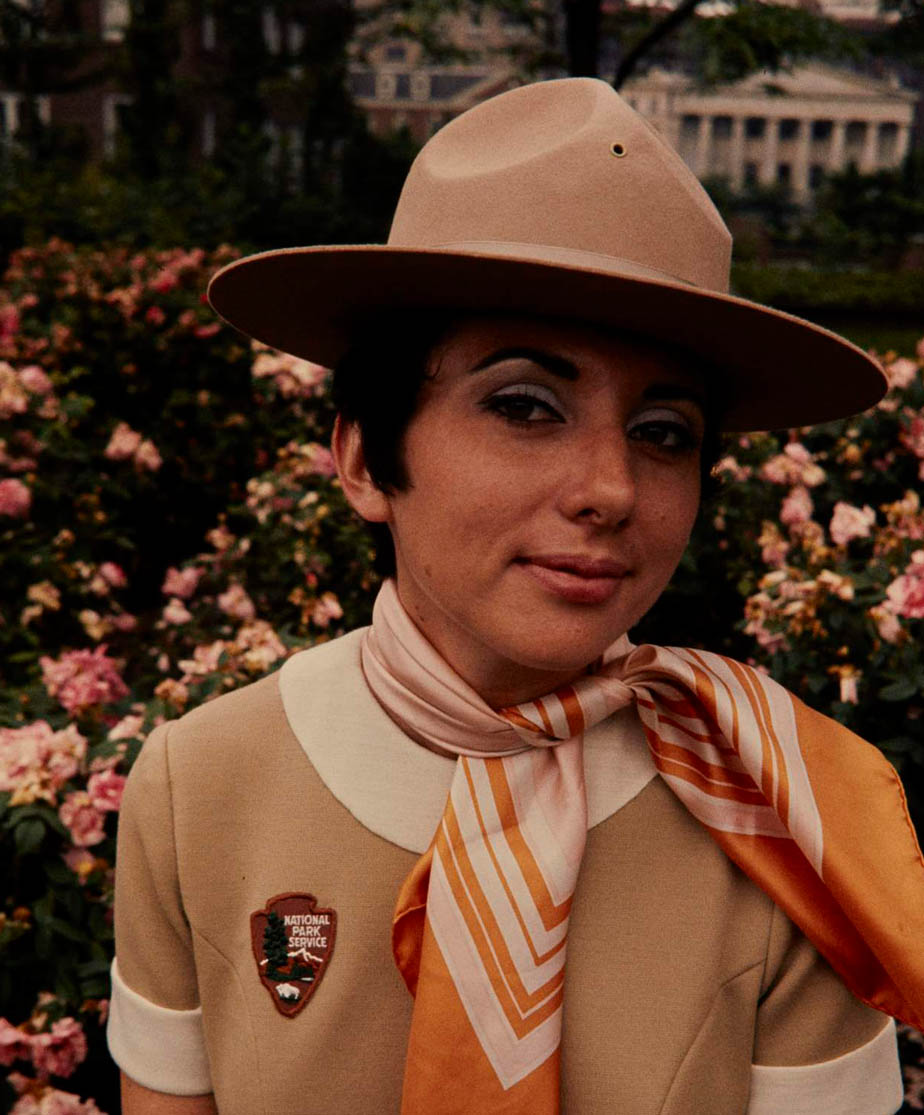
(368,501)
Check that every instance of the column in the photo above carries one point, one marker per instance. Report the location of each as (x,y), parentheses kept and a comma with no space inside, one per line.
(12,115)
(800,164)
(868,157)
(703,145)
(736,153)
(769,155)
(903,141)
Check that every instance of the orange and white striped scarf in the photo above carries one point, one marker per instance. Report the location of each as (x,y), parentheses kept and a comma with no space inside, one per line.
(809,811)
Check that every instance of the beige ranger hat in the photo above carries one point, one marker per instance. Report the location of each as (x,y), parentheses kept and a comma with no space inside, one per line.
(558,200)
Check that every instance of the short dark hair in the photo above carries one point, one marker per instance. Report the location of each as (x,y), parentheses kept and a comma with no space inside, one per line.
(377,385)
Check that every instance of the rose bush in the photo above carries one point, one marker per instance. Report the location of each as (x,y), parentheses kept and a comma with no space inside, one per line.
(171,528)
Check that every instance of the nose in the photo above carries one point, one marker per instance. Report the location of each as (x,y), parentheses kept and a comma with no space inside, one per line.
(599,485)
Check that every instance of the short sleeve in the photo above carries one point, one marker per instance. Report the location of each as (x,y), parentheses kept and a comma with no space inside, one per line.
(155,1029)
(817,1049)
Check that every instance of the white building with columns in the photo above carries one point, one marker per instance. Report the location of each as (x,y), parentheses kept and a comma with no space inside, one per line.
(787,129)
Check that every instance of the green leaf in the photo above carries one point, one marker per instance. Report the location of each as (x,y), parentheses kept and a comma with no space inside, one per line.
(64,929)
(29,834)
(902,690)
(900,744)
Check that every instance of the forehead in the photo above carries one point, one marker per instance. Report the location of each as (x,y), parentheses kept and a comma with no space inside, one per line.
(471,341)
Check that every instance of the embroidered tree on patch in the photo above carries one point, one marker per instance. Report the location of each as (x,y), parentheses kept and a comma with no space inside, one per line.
(275,947)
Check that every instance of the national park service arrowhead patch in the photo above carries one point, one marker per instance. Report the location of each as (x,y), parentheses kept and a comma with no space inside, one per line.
(292,943)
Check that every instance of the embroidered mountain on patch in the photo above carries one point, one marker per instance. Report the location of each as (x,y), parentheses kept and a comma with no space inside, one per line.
(292,943)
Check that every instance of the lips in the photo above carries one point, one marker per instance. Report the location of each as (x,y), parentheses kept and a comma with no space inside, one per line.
(577,578)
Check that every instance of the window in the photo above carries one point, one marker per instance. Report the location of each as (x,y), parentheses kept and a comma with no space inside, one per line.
(396,52)
(821,130)
(272,32)
(114,106)
(114,18)
(689,127)
(209,37)
(789,128)
(750,174)
(755,127)
(888,142)
(420,85)
(855,133)
(784,174)
(816,175)
(7,115)
(295,36)
(721,127)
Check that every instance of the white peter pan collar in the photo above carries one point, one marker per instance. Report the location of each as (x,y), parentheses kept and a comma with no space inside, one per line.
(398,789)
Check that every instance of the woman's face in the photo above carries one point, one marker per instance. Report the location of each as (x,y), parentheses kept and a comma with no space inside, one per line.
(554,480)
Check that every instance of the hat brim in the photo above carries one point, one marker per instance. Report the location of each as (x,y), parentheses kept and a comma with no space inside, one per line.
(776,370)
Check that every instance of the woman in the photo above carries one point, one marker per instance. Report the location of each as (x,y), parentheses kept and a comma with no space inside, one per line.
(530,378)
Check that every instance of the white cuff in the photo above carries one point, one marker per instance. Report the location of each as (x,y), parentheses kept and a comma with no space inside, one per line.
(161,1049)
(866,1081)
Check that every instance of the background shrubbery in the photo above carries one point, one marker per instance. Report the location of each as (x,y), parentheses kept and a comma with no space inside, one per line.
(170,527)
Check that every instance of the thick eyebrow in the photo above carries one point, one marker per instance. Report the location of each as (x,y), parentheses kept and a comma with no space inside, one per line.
(557,365)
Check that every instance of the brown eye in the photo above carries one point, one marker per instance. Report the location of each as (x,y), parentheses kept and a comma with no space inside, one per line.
(526,405)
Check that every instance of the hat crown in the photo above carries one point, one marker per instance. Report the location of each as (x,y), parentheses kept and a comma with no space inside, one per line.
(565,164)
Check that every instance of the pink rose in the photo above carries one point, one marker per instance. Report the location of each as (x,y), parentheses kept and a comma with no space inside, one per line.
(59,1052)
(81,679)
(36,761)
(236,603)
(105,791)
(50,1101)
(326,609)
(14,1043)
(203,332)
(34,379)
(912,436)
(164,281)
(155,315)
(15,499)
(147,456)
(182,583)
(81,861)
(129,727)
(322,461)
(113,575)
(901,372)
(887,624)
(176,613)
(82,819)
(797,507)
(905,595)
(122,621)
(849,522)
(9,322)
(123,443)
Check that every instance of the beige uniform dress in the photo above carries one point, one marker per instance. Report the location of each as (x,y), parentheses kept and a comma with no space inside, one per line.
(688,991)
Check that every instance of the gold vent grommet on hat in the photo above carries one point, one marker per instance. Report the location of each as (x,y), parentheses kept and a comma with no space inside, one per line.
(618,149)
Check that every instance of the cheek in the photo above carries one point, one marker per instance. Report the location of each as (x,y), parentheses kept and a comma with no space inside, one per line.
(672,510)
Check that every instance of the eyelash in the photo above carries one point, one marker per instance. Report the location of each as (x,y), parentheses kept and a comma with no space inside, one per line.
(503,402)
(686,439)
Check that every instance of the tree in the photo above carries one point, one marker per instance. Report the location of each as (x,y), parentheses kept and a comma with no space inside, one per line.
(571,35)
(275,945)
